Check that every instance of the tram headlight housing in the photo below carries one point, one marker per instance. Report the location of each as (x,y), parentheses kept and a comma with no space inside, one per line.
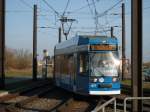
(101,79)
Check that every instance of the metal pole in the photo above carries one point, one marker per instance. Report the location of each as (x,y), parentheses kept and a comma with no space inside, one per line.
(123,41)
(46,67)
(54,66)
(136,53)
(115,103)
(35,43)
(59,30)
(2,43)
(112,32)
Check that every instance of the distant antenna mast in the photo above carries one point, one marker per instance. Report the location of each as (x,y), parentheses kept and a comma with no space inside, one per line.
(64,20)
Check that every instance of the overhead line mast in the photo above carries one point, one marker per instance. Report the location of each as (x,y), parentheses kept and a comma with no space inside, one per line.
(123,42)
(35,43)
(2,43)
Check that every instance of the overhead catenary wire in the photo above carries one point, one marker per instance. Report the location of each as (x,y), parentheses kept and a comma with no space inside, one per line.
(58,13)
(43,27)
(96,18)
(106,11)
(66,7)
(89,7)
(18,11)
(85,6)
(94,5)
(26,4)
(51,8)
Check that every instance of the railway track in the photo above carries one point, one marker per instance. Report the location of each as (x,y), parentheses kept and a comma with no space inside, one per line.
(74,104)
(48,98)
(52,100)
(42,98)
(13,102)
(14,88)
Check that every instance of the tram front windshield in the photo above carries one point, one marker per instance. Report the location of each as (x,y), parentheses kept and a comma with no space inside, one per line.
(104,63)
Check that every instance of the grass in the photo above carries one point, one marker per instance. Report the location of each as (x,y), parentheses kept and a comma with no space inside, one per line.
(24,72)
(128,82)
(17,72)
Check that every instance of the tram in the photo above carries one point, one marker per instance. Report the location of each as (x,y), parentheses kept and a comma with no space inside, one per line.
(88,65)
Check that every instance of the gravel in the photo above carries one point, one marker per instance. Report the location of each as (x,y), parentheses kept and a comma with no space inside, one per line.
(42,104)
(75,106)
(16,99)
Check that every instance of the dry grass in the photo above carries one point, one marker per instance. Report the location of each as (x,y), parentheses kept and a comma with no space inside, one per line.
(18,72)
(25,72)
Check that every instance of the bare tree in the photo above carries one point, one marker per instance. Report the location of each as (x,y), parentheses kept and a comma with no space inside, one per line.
(18,59)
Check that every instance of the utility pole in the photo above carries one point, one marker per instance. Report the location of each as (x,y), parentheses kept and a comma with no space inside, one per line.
(136,53)
(112,32)
(2,43)
(123,42)
(34,67)
(59,31)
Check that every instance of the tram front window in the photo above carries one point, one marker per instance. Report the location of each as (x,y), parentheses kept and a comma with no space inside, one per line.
(104,64)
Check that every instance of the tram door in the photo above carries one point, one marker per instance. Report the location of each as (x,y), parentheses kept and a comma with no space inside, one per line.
(70,69)
(73,78)
(82,75)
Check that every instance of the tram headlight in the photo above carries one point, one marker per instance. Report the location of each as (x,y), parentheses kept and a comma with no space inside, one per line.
(114,79)
(116,62)
(95,80)
(101,79)
(93,85)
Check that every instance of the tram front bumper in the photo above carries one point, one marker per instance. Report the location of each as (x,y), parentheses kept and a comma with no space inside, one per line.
(104,92)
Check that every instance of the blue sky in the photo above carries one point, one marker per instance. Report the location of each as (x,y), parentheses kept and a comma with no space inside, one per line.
(19,21)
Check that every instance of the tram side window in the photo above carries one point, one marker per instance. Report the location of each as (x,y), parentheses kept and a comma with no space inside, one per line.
(57,65)
(83,63)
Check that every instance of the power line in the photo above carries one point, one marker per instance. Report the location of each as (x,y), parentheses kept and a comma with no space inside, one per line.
(66,7)
(96,18)
(46,27)
(89,7)
(26,4)
(51,8)
(106,11)
(94,5)
(102,28)
(85,6)
(18,11)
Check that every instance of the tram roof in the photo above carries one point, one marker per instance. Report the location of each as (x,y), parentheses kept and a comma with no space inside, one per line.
(86,40)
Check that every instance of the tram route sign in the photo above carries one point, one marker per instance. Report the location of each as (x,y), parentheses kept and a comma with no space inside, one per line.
(103,47)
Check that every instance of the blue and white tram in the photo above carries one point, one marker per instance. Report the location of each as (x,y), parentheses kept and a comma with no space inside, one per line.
(88,65)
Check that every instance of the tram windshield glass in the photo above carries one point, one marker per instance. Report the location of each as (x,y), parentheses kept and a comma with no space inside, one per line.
(104,63)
